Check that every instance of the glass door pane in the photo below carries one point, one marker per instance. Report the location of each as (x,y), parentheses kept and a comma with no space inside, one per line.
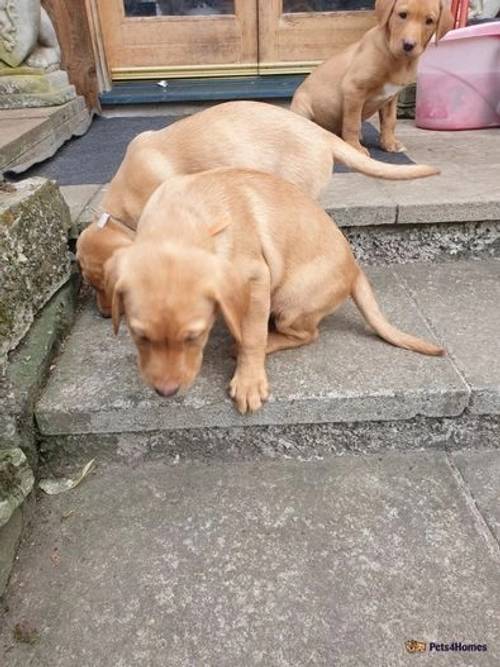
(293,6)
(295,35)
(178,7)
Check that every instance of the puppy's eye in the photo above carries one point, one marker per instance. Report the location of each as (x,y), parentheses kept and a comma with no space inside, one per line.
(403,15)
(192,337)
(142,339)
(429,21)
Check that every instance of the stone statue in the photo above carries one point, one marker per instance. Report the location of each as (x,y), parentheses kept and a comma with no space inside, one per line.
(27,35)
(30,73)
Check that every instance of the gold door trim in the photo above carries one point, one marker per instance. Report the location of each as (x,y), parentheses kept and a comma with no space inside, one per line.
(183,72)
(197,71)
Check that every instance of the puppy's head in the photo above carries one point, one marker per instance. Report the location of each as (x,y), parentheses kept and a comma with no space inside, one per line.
(93,249)
(170,297)
(410,24)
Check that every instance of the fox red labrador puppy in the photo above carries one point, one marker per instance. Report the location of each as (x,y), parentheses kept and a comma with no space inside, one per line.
(247,244)
(367,77)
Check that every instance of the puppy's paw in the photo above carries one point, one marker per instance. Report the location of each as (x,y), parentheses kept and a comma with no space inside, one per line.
(249,390)
(392,145)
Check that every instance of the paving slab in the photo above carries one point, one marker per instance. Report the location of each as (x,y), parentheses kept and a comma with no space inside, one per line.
(30,136)
(465,149)
(354,200)
(481,474)
(348,375)
(77,197)
(461,193)
(12,128)
(461,300)
(337,562)
(87,214)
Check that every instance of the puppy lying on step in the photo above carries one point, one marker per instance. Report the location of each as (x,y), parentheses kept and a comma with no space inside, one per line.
(234,134)
(367,77)
(251,246)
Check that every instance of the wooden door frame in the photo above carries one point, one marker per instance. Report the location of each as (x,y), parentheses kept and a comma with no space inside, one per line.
(246,18)
(279,32)
(270,20)
(75,34)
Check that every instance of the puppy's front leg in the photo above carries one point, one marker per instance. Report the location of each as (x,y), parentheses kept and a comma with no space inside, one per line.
(388,119)
(352,110)
(249,387)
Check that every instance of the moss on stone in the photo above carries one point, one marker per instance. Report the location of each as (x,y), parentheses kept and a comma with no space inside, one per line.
(34,255)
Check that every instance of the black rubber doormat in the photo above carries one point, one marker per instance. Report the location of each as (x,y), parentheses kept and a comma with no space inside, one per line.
(95,157)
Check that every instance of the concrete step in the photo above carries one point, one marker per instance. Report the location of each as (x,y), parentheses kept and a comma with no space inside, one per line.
(386,223)
(28,136)
(335,562)
(349,390)
(456,214)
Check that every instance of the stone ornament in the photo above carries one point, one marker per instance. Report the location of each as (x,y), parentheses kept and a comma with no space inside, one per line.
(30,56)
(27,35)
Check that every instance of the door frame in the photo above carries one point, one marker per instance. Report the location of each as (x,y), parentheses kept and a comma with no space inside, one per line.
(312,37)
(128,35)
(276,32)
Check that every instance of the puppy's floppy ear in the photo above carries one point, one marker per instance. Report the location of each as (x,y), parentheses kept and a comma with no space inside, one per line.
(383,11)
(114,286)
(231,295)
(445,21)
(117,309)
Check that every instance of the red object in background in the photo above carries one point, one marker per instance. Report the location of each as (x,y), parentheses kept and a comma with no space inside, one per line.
(460,12)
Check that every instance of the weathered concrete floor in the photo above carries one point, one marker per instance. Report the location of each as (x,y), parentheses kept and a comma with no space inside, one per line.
(347,376)
(336,562)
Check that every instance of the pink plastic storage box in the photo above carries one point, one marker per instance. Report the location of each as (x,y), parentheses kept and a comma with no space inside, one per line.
(458,82)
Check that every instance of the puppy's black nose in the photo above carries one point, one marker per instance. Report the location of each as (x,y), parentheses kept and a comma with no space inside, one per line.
(408,46)
(167,390)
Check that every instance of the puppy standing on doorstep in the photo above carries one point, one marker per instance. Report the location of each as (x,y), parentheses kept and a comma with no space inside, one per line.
(367,77)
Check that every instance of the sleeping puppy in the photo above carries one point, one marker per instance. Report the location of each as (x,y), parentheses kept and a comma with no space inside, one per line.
(247,244)
(234,134)
(367,77)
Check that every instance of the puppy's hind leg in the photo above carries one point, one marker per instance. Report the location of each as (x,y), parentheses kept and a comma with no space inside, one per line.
(314,292)
(292,333)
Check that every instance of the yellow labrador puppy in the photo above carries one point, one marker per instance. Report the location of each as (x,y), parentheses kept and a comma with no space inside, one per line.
(247,244)
(367,77)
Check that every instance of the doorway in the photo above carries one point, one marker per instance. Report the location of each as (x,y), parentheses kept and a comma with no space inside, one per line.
(146,39)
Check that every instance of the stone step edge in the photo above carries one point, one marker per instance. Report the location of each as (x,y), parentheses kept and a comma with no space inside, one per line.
(299,441)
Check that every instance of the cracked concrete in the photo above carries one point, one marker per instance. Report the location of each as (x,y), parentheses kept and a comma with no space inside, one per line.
(333,562)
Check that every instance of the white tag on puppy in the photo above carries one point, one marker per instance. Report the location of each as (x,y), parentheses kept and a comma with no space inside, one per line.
(103,220)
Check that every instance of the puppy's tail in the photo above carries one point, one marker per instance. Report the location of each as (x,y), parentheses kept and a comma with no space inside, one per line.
(364,298)
(353,159)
